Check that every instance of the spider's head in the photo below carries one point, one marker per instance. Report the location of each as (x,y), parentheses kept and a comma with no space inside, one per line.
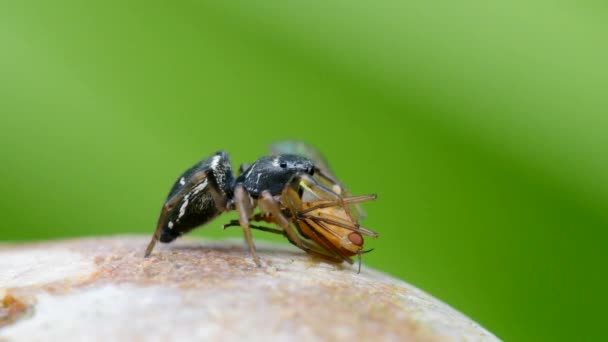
(273,173)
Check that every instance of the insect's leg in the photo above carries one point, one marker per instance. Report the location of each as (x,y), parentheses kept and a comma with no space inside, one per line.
(328,248)
(313,249)
(351,225)
(306,246)
(343,191)
(232,223)
(256,218)
(244,207)
(268,229)
(330,179)
(346,225)
(291,199)
(347,200)
(307,182)
(170,204)
(268,204)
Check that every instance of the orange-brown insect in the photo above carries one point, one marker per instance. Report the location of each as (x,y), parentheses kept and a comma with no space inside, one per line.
(328,221)
(325,227)
(320,211)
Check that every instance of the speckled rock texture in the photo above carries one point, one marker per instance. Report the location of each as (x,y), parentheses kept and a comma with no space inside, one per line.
(104,290)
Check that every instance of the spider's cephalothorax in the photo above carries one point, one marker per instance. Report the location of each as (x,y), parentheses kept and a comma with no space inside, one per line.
(305,200)
(273,173)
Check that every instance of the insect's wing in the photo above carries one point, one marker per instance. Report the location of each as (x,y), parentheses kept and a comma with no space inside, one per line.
(325,176)
(322,218)
(323,207)
(302,149)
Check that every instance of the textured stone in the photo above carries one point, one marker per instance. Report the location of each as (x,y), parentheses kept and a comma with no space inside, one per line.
(103,289)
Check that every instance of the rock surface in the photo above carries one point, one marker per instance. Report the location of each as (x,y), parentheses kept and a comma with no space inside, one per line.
(103,289)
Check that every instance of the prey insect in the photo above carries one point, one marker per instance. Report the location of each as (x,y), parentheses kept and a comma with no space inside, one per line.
(274,184)
(303,149)
(326,229)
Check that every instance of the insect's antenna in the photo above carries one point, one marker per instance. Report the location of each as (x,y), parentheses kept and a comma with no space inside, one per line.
(359,256)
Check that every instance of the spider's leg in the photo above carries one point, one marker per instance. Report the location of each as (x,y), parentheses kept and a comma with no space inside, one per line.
(269,205)
(170,204)
(244,207)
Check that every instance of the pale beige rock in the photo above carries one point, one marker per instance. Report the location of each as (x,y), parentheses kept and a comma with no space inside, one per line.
(104,290)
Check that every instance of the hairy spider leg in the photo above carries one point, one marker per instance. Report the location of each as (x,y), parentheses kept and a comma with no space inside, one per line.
(244,207)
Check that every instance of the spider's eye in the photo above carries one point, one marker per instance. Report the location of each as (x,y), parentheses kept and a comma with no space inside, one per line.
(283,165)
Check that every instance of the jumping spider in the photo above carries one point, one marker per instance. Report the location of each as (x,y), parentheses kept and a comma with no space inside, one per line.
(305,200)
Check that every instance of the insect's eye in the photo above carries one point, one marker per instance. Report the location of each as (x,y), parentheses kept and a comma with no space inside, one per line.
(283,165)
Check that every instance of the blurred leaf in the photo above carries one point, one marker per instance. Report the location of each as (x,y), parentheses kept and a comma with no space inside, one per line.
(481,125)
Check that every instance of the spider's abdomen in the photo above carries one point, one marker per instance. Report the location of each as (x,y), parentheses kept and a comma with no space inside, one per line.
(193,192)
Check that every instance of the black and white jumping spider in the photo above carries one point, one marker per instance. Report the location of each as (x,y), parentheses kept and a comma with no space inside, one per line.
(311,207)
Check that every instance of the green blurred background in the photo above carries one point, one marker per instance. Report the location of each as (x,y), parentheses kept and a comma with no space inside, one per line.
(482,126)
